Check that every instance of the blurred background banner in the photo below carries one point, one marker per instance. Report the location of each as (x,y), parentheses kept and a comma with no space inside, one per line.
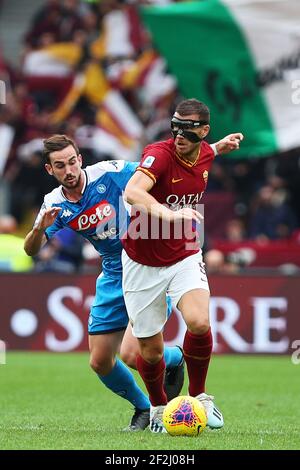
(242,58)
(249,314)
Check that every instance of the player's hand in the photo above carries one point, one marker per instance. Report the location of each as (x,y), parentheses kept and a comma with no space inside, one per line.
(48,218)
(187,214)
(229,142)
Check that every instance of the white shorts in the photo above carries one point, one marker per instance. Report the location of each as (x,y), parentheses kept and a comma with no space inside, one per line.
(145,289)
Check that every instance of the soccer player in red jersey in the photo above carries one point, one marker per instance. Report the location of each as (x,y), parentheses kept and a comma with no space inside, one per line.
(162,255)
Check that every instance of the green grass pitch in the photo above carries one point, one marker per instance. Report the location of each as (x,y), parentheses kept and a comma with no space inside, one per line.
(53,401)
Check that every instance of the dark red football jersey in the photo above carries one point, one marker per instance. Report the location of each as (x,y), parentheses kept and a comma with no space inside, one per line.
(177,184)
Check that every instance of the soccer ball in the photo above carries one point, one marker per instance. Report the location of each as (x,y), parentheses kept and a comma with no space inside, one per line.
(184,416)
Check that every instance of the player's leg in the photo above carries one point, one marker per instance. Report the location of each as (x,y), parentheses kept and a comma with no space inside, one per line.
(197,343)
(129,348)
(151,367)
(145,295)
(115,375)
(103,349)
(174,376)
(174,361)
(107,323)
(190,291)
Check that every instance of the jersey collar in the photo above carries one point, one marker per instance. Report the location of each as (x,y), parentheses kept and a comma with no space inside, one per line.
(186,162)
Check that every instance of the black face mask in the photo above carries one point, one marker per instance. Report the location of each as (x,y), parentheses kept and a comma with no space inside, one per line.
(184,126)
(191,136)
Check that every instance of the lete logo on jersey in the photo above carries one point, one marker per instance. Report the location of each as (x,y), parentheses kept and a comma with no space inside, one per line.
(91,218)
(148,161)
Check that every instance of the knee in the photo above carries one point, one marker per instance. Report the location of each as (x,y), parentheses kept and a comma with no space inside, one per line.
(152,355)
(102,365)
(199,326)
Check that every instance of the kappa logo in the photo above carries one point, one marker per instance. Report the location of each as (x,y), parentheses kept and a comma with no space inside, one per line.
(66,213)
(205,175)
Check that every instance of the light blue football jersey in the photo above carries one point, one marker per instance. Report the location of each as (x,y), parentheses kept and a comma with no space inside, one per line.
(101,215)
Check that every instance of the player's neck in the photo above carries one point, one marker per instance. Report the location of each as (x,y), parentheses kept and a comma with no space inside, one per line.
(191,157)
(75,194)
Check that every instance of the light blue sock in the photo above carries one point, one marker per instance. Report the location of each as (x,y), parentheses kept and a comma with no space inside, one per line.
(172,355)
(121,381)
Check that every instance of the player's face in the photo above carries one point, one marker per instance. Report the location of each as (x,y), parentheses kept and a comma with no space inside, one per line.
(183,145)
(66,167)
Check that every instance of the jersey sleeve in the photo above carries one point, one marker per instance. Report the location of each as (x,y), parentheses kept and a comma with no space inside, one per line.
(50,231)
(122,174)
(214,149)
(210,149)
(154,162)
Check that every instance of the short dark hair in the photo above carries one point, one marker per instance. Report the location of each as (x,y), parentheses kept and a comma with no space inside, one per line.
(193,106)
(57,142)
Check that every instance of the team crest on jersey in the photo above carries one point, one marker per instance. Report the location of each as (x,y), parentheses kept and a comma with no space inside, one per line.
(205,175)
(93,217)
(101,188)
(147,163)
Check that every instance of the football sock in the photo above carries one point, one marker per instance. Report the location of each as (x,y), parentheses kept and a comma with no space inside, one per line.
(121,381)
(153,377)
(172,356)
(197,352)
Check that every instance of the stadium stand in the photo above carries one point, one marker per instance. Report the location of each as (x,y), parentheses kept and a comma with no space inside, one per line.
(89,69)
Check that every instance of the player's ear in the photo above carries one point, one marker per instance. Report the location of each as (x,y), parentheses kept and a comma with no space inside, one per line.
(49,169)
(206,130)
(80,160)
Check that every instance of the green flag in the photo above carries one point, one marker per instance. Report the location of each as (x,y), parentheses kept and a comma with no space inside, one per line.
(240,57)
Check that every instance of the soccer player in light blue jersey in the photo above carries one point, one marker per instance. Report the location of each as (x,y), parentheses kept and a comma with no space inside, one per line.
(90,202)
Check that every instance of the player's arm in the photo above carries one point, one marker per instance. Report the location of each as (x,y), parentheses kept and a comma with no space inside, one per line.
(228,143)
(36,238)
(137,194)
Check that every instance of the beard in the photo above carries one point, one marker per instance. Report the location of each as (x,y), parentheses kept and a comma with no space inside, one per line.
(72,183)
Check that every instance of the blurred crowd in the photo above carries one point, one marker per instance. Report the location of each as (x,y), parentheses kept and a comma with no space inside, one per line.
(89,69)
